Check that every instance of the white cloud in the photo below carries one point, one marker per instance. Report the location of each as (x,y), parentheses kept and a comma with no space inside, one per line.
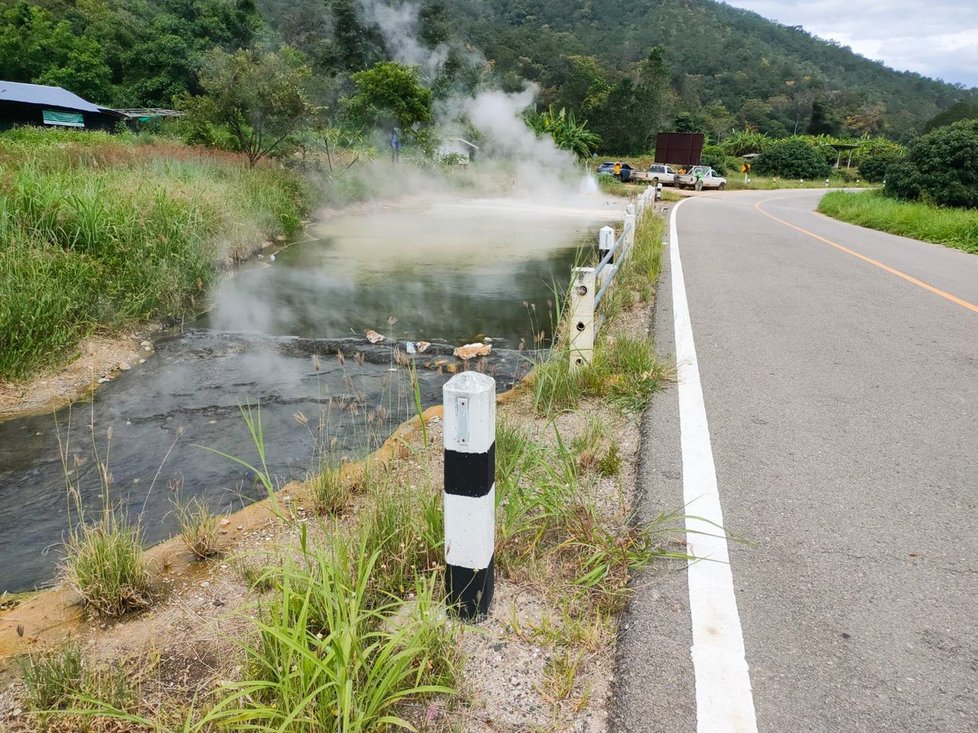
(937,38)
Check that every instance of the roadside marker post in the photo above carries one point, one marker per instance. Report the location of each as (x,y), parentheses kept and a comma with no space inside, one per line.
(469,400)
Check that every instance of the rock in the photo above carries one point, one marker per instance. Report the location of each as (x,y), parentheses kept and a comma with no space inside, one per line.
(470,351)
(125,367)
(374,337)
(422,346)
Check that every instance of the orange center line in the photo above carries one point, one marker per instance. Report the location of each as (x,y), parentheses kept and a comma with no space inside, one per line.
(876,263)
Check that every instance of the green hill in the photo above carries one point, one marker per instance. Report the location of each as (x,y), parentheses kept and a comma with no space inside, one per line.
(727,68)
(629,67)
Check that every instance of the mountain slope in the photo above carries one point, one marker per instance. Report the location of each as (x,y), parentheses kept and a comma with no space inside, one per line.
(764,74)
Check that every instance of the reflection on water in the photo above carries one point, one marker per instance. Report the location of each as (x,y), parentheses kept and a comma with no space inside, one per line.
(450,272)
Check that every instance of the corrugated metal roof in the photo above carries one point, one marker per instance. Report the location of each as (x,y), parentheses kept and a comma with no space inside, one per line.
(12,91)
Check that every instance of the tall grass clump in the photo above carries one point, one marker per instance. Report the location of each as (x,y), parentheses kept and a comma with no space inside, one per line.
(97,232)
(104,565)
(59,684)
(956,228)
(331,659)
(200,528)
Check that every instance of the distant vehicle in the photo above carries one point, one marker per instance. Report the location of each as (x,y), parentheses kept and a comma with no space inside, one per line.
(609,168)
(711,179)
(656,174)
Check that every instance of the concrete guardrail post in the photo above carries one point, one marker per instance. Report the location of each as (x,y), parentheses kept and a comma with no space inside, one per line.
(582,317)
(629,238)
(469,399)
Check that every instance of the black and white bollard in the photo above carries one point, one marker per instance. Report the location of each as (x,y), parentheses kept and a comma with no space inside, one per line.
(470,491)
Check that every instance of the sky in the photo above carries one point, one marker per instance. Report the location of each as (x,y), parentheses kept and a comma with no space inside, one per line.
(936,38)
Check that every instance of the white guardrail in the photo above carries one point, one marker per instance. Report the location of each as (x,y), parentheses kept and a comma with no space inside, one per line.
(591,284)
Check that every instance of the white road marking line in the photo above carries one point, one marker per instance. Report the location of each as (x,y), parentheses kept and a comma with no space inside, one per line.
(724,701)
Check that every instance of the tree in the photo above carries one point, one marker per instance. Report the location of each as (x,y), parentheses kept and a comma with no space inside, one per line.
(258,97)
(793,158)
(389,93)
(34,48)
(941,167)
(567,132)
(960,110)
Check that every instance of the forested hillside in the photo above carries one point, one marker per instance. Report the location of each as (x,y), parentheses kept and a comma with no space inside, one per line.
(629,67)
(727,67)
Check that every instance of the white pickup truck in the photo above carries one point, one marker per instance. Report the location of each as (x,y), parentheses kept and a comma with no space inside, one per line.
(710,178)
(656,174)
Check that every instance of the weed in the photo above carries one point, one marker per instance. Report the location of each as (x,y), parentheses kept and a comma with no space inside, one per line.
(610,463)
(199,527)
(104,565)
(329,660)
(61,680)
(560,674)
(332,490)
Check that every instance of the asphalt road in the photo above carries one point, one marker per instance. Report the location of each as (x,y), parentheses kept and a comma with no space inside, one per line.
(842,402)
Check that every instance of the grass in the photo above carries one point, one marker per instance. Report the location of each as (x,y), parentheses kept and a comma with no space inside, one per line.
(956,228)
(199,527)
(330,659)
(623,369)
(104,565)
(58,681)
(98,232)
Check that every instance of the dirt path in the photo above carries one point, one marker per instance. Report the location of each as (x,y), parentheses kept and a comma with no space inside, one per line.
(98,360)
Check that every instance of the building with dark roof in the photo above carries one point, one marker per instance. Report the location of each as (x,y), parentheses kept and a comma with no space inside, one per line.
(35,104)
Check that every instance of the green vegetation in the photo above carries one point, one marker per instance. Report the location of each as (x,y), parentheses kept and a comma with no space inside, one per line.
(258,97)
(631,68)
(727,69)
(566,132)
(104,565)
(99,231)
(956,228)
(792,159)
(199,527)
(333,657)
(940,167)
(62,679)
(623,369)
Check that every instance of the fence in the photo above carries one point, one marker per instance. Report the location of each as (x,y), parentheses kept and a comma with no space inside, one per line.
(591,284)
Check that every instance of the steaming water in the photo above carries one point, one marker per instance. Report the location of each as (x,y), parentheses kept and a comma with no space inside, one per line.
(448,272)
(589,184)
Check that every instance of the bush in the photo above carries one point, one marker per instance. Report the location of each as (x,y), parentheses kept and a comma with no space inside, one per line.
(792,159)
(873,168)
(941,167)
(717,159)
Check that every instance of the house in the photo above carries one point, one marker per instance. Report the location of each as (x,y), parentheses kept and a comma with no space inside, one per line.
(35,104)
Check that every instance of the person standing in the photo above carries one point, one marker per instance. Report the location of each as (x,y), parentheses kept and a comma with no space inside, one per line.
(617,169)
(395,146)
(699,179)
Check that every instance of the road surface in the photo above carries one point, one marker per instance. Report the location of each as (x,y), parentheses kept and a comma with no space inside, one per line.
(839,375)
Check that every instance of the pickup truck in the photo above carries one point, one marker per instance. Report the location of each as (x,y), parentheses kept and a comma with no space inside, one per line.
(711,179)
(656,174)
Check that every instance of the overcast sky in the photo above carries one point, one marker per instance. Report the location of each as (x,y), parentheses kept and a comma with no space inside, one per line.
(937,38)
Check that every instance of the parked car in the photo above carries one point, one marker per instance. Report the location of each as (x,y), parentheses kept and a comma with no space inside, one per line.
(711,179)
(609,168)
(656,174)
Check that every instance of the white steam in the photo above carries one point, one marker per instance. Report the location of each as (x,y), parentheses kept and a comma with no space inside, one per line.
(498,116)
(400,27)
